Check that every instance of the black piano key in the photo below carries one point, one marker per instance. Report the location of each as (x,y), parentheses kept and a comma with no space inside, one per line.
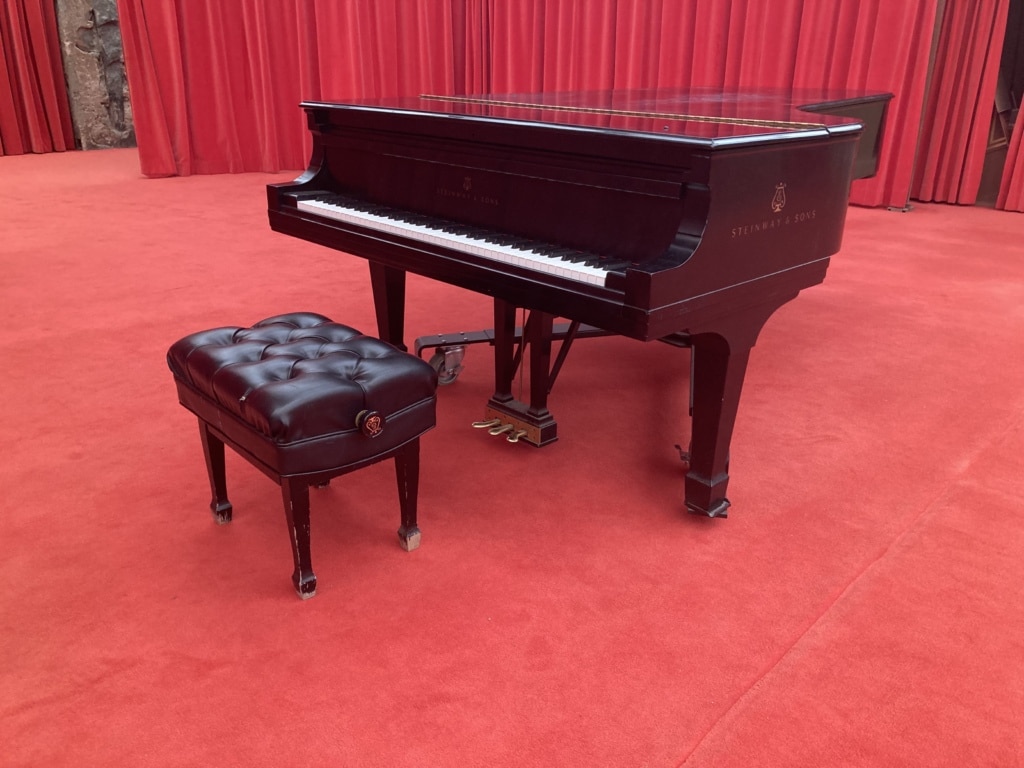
(574,256)
(615,265)
(522,243)
(558,252)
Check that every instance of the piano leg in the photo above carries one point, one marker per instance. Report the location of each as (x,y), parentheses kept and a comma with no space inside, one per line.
(719,365)
(388,285)
(533,419)
(504,350)
(537,337)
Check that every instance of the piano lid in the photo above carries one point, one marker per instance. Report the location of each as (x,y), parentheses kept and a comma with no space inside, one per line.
(703,116)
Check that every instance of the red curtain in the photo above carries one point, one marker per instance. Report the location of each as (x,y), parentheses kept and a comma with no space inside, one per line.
(210,94)
(216,86)
(874,45)
(34,111)
(1011,191)
(212,84)
(384,47)
(961,97)
(864,45)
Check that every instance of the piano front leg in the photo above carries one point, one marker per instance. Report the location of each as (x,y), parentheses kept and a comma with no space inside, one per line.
(388,284)
(719,365)
(504,350)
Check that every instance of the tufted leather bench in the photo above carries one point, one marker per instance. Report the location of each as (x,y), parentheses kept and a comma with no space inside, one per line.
(305,400)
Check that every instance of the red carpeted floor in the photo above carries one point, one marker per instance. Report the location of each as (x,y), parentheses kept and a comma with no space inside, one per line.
(863,605)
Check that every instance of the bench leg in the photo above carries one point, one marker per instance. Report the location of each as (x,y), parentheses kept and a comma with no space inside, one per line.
(295,493)
(407,470)
(213,449)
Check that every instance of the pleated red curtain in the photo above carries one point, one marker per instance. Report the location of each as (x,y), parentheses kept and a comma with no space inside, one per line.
(874,45)
(960,101)
(216,86)
(1011,191)
(864,45)
(471,40)
(34,111)
(384,47)
(210,83)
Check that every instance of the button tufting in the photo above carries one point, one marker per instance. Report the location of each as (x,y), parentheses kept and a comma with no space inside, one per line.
(298,395)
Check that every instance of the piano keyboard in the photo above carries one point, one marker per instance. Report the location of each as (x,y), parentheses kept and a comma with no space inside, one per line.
(507,249)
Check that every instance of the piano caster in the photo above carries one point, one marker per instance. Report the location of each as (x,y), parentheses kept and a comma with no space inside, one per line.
(447,361)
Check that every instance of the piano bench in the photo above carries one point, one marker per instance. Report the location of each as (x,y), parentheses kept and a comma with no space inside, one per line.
(305,399)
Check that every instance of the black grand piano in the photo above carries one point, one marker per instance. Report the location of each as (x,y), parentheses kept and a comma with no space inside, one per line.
(658,215)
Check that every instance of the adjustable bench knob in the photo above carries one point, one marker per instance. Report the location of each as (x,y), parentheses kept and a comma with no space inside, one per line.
(370,423)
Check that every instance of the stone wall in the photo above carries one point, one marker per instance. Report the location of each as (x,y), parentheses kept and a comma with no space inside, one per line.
(94,69)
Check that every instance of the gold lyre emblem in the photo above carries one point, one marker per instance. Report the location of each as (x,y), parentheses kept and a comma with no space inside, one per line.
(779,201)
(467,184)
(373,425)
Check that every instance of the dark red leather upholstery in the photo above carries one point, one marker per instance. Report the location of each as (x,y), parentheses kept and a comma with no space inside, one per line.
(305,400)
(289,389)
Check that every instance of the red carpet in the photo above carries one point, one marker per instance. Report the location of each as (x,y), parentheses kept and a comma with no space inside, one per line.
(862,605)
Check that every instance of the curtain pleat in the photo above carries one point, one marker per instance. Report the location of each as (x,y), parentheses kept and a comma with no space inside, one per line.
(34,112)
(520,67)
(11,134)
(471,36)
(1011,191)
(959,113)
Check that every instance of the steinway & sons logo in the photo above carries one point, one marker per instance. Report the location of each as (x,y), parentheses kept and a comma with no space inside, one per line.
(466,193)
(778,203)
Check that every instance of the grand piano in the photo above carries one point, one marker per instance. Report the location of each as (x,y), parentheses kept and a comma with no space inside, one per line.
(686,216)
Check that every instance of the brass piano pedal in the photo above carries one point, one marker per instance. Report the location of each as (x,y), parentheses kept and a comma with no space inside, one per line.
(486,424)
(500,430)
(514,437)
